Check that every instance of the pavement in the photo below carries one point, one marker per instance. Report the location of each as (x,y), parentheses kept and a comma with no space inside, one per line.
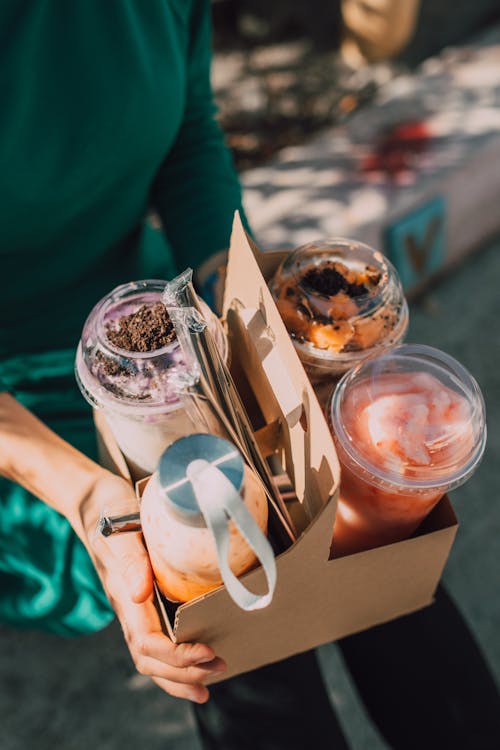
(80,693)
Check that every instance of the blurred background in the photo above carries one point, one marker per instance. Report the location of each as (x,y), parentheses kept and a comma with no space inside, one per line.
(283,70)
(337,126)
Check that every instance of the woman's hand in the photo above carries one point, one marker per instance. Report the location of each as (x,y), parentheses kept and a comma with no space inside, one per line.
(123,566)
(67,480)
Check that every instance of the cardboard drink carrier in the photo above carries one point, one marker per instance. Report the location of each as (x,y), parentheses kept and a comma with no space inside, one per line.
(316,600)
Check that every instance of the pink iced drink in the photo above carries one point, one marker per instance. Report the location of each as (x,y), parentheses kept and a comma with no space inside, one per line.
(404,437)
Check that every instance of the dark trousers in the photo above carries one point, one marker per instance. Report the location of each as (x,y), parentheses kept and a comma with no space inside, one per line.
(422,679)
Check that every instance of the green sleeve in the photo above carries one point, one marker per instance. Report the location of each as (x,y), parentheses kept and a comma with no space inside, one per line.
(197,190)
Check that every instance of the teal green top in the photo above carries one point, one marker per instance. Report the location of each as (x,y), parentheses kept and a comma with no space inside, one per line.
(106,113)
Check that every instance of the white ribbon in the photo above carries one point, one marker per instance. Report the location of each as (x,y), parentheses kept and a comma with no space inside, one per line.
(220,504)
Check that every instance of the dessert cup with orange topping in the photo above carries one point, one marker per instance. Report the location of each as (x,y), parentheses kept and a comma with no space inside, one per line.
(408,426)
(341,301)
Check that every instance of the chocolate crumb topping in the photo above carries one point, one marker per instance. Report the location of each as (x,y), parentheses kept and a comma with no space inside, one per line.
(109,366)
(145,330)
(328,281)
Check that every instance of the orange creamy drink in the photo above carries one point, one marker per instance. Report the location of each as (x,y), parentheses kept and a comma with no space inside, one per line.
(408,427)
(175,517)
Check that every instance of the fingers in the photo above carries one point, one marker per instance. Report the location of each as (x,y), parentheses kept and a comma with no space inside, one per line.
(156,655)
(194,693)
(158,646)
(179,669)
(185,676)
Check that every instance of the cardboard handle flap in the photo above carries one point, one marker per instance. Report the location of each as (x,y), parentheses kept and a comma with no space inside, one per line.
(281,387)
(245,282)
(309,455)
(269,438)
(284,390)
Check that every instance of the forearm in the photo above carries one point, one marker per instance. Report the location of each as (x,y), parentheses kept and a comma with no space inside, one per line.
(34,456)
(42,462)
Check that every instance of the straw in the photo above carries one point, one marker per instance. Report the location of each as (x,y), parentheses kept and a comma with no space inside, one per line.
(217,386)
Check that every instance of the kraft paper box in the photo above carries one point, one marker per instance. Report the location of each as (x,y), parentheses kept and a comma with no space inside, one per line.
(316,600)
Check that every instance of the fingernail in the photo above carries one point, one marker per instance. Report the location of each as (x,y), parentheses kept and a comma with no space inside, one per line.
(204,660)
(215,667)
(218,666)
(197,698)
(220,669)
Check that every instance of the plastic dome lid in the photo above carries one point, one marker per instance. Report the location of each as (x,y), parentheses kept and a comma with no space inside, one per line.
(412,418)
(346,285)
(172,470)
(114,377)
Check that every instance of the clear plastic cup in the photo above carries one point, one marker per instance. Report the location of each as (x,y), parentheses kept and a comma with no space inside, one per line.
(145,395)
(409,426)
(341,302)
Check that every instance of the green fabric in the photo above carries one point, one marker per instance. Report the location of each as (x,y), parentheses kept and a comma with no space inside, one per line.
(106,112)
(46,577)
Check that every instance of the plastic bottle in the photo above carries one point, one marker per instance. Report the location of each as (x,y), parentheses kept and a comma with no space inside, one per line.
(204,519)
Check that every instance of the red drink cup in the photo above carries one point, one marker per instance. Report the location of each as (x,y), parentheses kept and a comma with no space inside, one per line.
(409,426)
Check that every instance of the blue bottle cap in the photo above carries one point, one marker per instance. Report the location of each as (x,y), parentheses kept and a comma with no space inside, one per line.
(173,464)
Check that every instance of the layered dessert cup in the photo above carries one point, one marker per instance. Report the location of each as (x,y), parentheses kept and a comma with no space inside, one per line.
(130,364)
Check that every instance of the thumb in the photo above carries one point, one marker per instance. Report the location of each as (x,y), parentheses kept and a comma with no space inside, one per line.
(133,564)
